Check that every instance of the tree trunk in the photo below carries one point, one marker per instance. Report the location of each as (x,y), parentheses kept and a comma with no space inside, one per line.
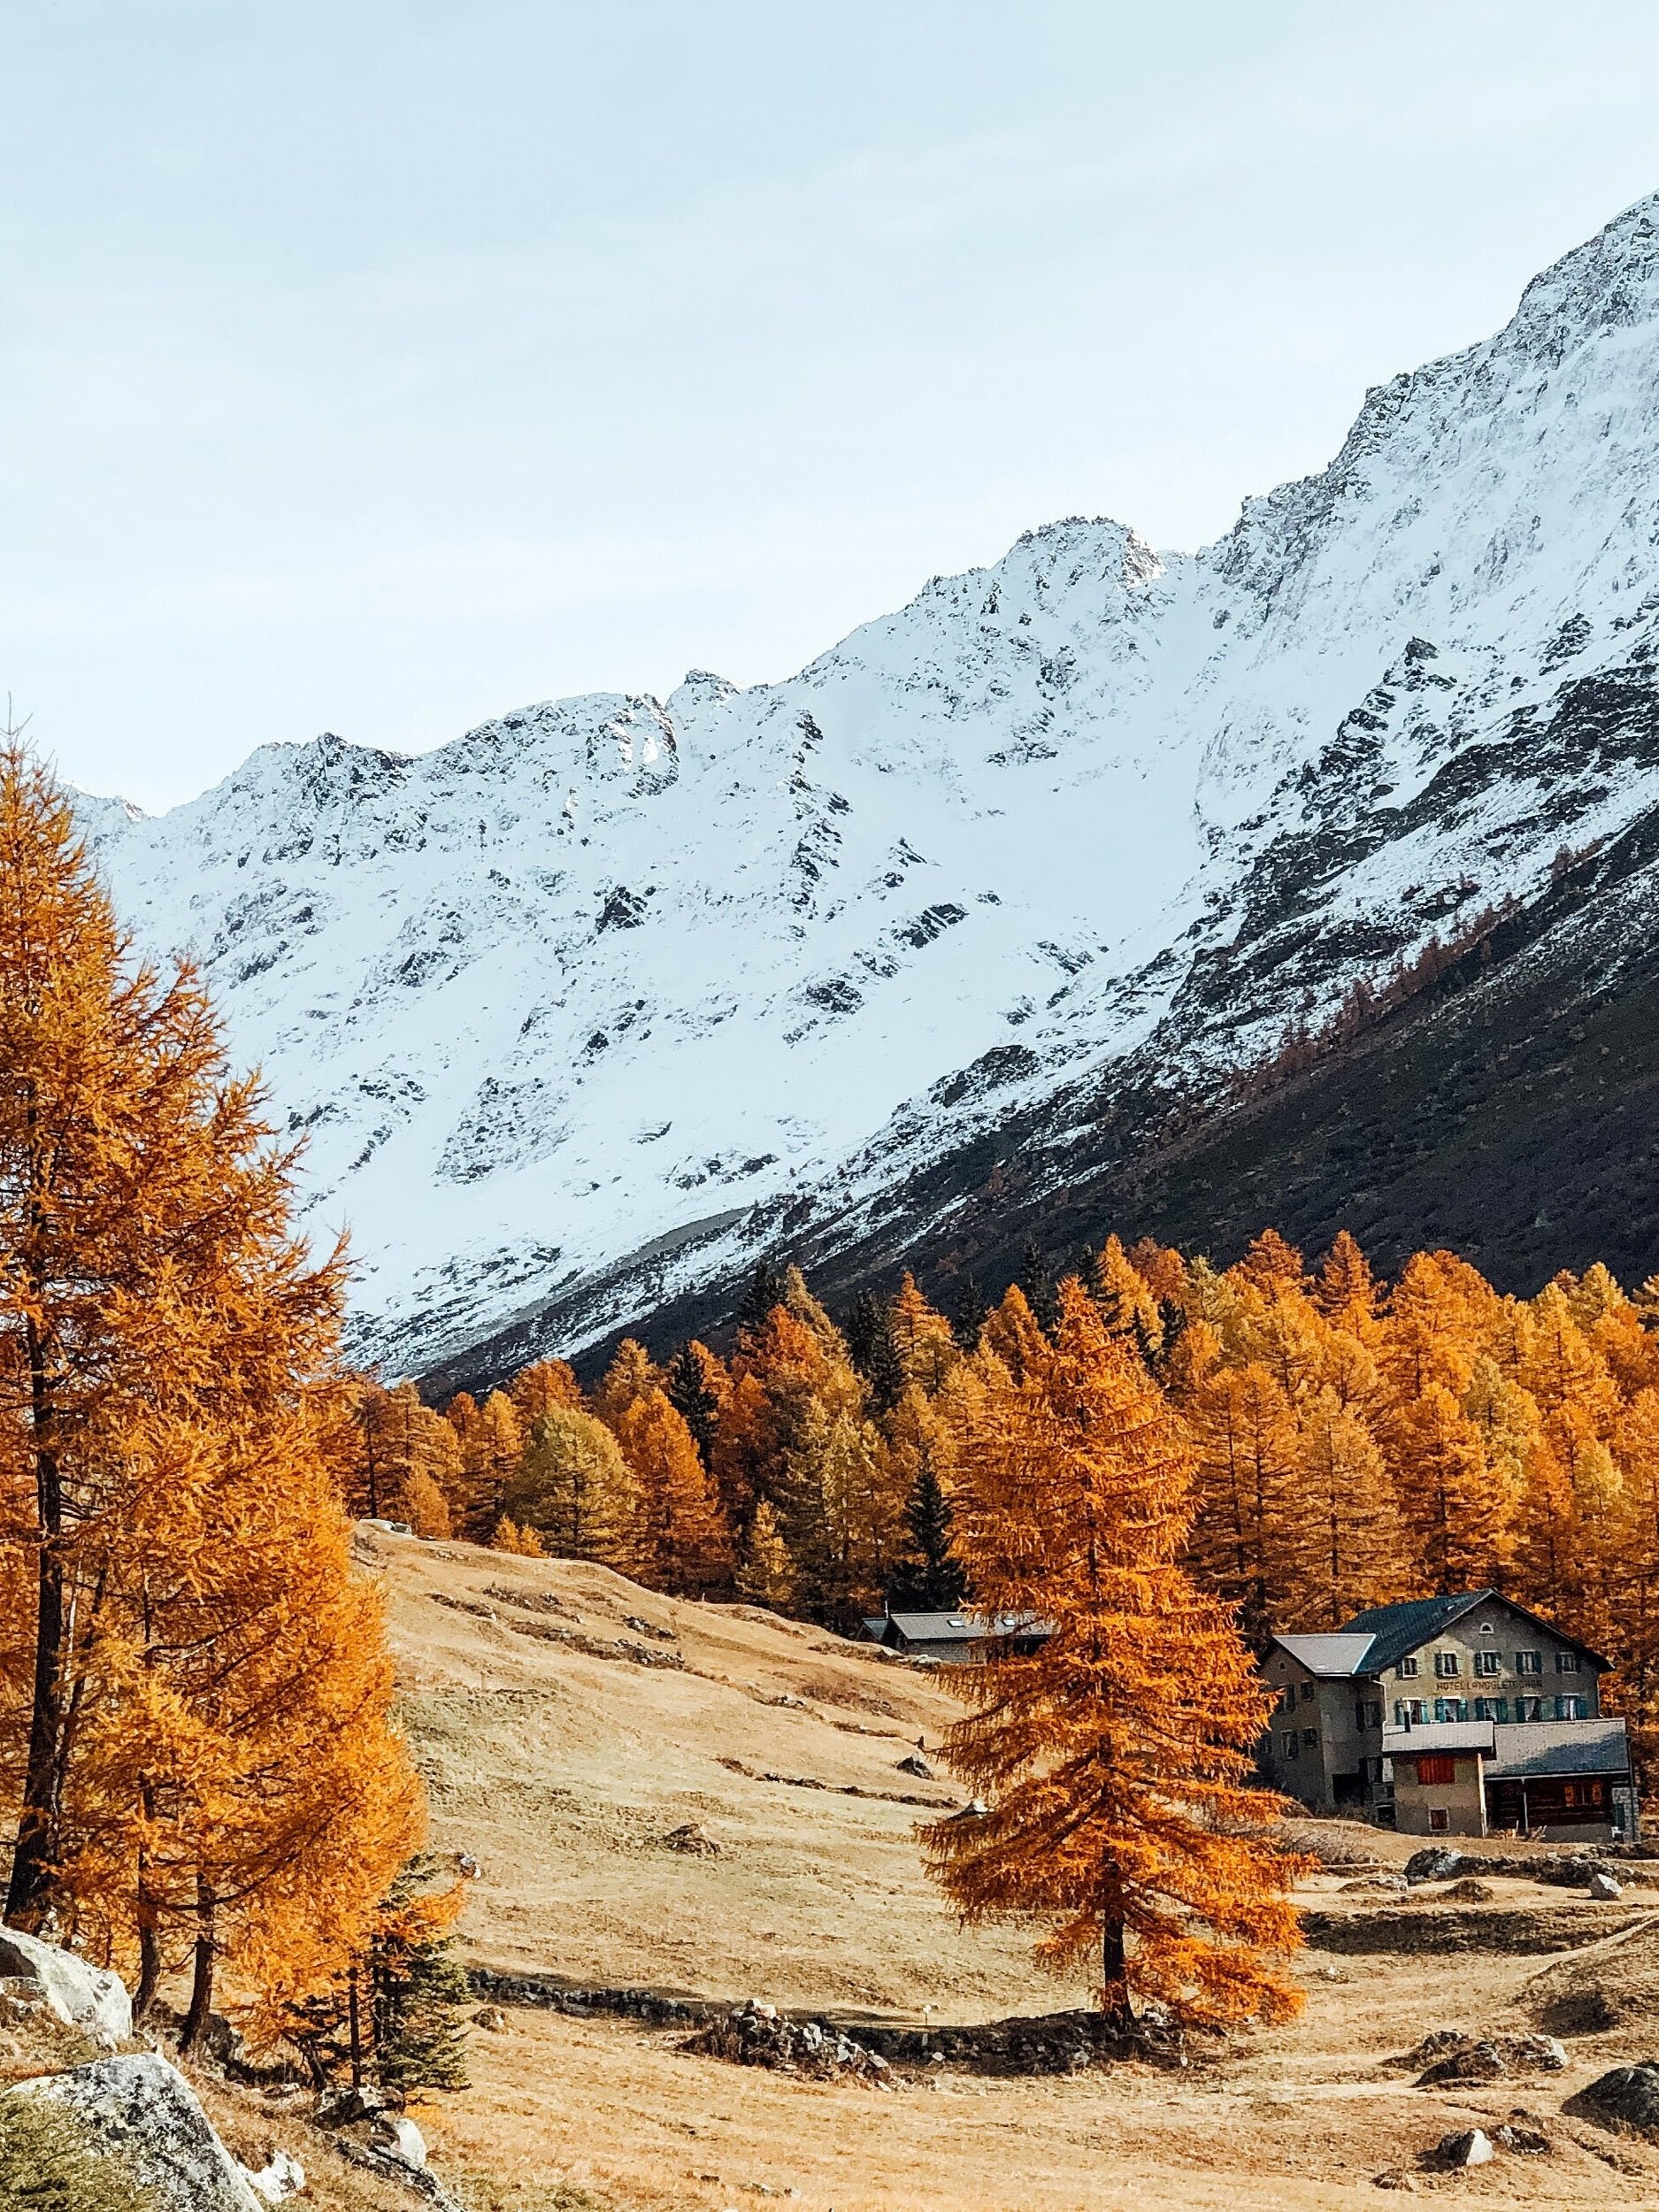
(200,1970)
(356,2018)
(1114,1959)
(30,1889)
(148,1970)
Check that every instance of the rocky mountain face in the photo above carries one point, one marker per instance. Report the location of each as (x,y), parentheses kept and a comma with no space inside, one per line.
(958,932)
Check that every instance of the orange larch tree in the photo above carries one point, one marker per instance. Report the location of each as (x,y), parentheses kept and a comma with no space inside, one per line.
(1116,1760)
(196,1726)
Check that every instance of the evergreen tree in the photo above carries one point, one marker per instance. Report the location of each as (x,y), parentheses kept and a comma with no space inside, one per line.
(872,1347)
(763,1290)
(420,1994)
(930,1577)
(1116,1759)
(1036,1286)
(969,1313)
(697,1386)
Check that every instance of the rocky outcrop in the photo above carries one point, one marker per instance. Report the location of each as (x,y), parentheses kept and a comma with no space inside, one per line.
(81,1994)
(141,2112)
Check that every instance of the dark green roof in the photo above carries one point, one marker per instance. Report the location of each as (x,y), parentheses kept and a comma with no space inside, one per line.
(1399,1629)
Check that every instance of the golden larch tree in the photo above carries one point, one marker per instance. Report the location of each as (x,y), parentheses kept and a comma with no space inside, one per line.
(681,1541)
(1116,1760)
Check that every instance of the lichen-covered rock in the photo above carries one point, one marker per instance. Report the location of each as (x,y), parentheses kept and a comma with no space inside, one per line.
(82,1995)
(141,2112)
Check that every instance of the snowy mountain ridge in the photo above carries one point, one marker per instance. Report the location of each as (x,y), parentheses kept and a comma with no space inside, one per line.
(609,994)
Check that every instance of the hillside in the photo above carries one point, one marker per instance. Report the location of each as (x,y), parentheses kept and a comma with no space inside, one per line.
(584,1010)
(561,1766)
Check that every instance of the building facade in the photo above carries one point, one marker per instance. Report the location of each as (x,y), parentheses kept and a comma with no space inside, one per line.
(1450,1715)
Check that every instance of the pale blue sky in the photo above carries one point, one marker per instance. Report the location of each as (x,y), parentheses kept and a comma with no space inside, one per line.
(381,367)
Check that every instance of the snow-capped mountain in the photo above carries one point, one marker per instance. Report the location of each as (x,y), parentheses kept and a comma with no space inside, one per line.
(599,999)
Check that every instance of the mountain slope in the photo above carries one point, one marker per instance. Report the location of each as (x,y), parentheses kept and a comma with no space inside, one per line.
(586,1007)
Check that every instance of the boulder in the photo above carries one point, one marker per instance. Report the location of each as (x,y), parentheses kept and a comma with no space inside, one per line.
(1625,2097)
(396,2135)
(280,2177)
(1481,2060)
(1470,2146)
(1490,2058)
(1469,1890)
(82,1995)
(491,2018)
(1437,1864)
(143,2113)
(1603,1887)
(916,1765)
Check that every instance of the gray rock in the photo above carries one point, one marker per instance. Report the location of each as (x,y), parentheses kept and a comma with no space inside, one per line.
(1486,2058)
(143,2113)
(1604,1888)
(280,2177)
(399,2137)
(1626,2096)
(1470,2146)
(1437,1863)
(916,1765)
(82,1995)
(1526,2142)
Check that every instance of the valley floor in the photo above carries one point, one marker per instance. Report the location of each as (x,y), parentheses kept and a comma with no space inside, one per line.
(569,1722)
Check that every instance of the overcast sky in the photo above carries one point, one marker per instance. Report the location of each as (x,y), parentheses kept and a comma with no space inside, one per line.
(381,367)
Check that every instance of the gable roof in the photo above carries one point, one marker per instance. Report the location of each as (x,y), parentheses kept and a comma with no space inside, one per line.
(1399,1629)
(1334,1655)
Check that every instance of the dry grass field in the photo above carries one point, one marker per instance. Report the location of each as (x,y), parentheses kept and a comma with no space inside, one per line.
(568,1722)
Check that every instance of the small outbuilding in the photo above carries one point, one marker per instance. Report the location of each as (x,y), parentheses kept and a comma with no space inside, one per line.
(958,1638)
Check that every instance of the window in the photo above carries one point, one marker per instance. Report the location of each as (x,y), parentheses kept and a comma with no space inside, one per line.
(1405,1669)
(1571,1708)
(1488,1663)
(1566,1662)
(1440,1820)
(1529,1709)
(1451,1709)
(1307,1693)
(1445,1662)
(1440,1768)
(1289,1743)
(1288,1697)
(1528,1663)
(1402,1713)
(1376,1714)
(1359,1715)
(1310,1739)
(1492,1708)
